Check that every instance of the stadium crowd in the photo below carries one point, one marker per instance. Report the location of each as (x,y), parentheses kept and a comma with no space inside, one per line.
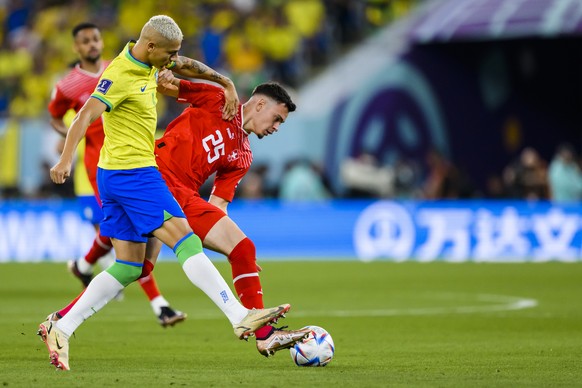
(251,41)
(529,177)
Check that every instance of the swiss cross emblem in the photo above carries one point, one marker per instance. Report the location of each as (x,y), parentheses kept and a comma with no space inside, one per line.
(233,156)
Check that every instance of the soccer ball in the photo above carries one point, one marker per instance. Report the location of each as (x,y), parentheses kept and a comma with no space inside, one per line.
(315,350)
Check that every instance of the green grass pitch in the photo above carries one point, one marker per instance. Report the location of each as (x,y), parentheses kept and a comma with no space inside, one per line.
(394,324)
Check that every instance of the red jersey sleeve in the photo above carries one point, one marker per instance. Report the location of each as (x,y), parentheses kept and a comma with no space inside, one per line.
(200,94)
(59,104)
(225,183)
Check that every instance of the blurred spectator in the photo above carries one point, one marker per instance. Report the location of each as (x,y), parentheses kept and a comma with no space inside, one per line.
(308,17)
(347,18)
(253,184)
(302,181)
(16,19)
(245,60)
(212,37)
(444,179)
(565,176)
(406,179)
(364,177)
(527,178)
(495,189)
(281,43)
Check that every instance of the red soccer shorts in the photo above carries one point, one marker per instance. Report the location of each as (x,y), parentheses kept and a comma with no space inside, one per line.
(201,215)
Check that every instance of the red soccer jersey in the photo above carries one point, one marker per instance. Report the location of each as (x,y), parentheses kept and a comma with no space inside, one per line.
(72,92)
(199,143)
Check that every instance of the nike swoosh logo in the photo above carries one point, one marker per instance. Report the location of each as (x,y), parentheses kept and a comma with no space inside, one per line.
(143,89)
(243,327)
(274,314)
(56,336)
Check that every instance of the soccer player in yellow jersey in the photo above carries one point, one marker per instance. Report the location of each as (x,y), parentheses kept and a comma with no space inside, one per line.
(137,204)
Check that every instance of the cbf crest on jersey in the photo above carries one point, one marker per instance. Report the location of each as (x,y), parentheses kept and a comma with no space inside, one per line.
(104,86)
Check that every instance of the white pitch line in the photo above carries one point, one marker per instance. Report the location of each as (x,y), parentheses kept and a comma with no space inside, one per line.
(498,303)
(502,303)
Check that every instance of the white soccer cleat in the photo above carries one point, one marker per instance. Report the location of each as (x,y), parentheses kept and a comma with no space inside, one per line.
(257,318)
(56,343)
(280,339)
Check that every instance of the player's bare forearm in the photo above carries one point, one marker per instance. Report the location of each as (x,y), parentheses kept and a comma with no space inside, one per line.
(89,112)
(74,135)
(61,171)
(192,68)
(59,126)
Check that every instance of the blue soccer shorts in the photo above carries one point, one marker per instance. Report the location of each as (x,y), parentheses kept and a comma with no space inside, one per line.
(90,209)
(135,203)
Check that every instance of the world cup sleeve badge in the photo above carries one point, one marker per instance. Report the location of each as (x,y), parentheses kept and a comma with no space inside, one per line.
(103,86)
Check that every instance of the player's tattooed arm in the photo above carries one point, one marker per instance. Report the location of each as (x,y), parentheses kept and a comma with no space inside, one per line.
(192,68)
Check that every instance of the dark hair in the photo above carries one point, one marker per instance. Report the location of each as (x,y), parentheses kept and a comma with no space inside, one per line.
(83,26)
(277,93)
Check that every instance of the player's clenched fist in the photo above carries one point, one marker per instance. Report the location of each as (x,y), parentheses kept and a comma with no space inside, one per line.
(60,172)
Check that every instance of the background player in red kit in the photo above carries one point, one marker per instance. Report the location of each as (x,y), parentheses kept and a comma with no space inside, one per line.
(199,143)
(71,92)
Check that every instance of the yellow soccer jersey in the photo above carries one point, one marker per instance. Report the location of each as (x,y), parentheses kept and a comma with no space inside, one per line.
(128,88)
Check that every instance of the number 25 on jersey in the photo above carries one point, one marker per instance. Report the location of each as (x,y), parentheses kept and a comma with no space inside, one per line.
(214,145)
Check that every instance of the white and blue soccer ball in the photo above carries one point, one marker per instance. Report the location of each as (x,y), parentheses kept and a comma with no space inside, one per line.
(315,350)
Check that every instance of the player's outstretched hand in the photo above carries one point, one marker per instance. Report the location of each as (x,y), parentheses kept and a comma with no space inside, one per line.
(60,172)
(231,103)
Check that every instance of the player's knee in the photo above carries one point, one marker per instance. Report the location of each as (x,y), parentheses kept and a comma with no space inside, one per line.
(244,255)
(244,249)
(125,272)
(187,247)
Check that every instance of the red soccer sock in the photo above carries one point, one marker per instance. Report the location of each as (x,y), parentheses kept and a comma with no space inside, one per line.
(64,311)
(245,276)
(246,280)
(249,292)
(251,295)
(263,332)
(149,286)
(101,246)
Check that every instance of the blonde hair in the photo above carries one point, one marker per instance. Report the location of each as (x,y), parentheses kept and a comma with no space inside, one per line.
(165,26)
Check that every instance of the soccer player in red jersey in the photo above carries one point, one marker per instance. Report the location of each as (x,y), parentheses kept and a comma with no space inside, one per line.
(199,143)
(72,92)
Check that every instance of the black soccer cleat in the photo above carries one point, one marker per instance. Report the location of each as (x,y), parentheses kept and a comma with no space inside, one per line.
(169,317)
(85,279)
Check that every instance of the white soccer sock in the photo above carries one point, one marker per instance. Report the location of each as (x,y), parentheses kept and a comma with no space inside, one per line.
(157,303)
(100,291)
(107,260)
(84,267)
(204,275)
